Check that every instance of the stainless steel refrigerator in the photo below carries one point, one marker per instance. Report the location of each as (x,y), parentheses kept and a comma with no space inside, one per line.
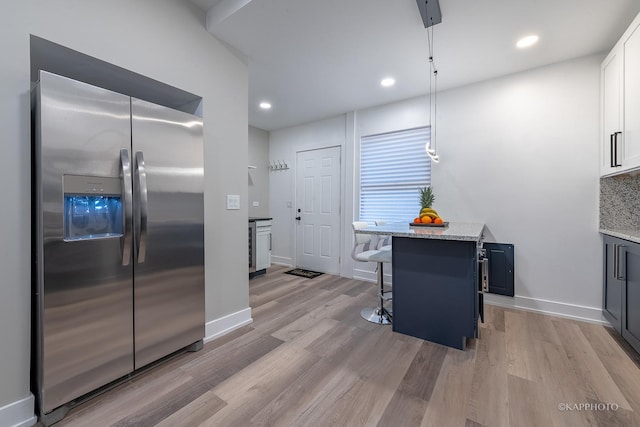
(118,237)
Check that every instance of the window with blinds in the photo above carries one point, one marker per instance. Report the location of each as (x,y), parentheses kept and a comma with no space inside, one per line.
(393,166)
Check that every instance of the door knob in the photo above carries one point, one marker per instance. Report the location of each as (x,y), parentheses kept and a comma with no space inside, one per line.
(298,218)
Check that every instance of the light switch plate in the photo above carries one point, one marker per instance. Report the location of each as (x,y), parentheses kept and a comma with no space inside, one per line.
(256,204)
(233,201)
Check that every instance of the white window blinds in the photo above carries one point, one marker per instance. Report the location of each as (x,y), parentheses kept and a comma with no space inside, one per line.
(393,166)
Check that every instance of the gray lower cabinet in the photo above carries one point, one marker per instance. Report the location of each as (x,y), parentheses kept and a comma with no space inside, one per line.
(621,292)
(612,292)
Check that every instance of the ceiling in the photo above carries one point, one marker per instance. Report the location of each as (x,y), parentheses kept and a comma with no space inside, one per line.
(315,59)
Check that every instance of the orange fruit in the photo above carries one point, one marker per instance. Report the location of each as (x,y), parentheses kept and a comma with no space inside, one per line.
(426,219)
(417,220)
(438,221)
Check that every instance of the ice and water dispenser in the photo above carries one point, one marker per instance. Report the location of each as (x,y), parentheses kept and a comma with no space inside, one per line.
(92,207)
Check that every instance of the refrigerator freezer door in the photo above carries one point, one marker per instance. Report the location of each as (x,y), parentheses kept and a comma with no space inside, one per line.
(83,321)
(168,230)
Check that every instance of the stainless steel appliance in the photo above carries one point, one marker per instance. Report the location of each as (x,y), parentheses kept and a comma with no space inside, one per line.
(118,237)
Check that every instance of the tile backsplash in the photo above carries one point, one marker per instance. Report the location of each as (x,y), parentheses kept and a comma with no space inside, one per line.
(620,202)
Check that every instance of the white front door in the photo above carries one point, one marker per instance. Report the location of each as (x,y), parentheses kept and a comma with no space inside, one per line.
(317,210)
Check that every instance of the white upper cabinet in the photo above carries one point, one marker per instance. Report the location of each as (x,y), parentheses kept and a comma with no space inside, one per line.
(620,121)
(611,75)
(631,140)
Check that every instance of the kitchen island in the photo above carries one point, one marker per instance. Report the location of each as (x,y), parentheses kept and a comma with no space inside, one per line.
(435,280)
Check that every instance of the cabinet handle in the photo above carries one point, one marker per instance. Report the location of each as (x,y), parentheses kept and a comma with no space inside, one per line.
(615,144)
(615,261)
(611,156)
(622,257)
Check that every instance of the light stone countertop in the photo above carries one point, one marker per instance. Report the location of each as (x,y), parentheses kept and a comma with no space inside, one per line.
(631,235)
(464,231)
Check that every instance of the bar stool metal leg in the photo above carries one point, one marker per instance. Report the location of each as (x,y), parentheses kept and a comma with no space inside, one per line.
(378,314)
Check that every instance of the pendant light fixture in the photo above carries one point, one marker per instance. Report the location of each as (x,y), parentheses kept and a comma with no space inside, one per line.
(430,12)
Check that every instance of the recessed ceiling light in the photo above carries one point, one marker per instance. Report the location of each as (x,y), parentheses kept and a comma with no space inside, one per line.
(265,105)
(387,82)
(527,41)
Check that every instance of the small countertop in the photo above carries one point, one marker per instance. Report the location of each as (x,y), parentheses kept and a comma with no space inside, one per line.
(631,235)
(466,231)
(259,218)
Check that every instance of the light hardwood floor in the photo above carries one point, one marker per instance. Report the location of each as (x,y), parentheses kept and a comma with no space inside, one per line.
(308,359)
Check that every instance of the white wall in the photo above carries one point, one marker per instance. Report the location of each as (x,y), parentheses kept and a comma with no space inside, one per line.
(258,177)
(167,41)
(519,153)
(535,137)
(283,145)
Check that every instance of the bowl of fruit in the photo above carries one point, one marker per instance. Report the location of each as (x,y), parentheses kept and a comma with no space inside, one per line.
(428,217)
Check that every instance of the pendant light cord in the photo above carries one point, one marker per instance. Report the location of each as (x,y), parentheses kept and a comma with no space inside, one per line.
(433,81)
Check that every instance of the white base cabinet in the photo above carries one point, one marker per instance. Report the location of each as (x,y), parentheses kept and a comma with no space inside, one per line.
(263,245)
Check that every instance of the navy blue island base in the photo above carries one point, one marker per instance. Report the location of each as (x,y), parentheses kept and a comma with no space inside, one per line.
(435,290)
(435,280)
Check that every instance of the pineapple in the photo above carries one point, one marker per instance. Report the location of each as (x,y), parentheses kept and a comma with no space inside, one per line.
(427,213)
(426,197)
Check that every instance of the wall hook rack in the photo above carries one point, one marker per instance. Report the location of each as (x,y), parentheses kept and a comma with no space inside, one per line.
(277,165)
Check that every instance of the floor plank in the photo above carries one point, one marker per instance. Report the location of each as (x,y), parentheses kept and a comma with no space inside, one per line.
(251,389)
(618,364)
(488,399)
(196,413)
(562,385)
(410,400)
(449,401)
(521,357)
(309,359)
(528,405)
(597,379)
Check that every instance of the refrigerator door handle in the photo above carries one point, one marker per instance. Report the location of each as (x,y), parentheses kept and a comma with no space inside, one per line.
(125,174)
(141,180)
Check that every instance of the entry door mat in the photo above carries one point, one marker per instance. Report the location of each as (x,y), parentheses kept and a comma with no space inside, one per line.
(303,273)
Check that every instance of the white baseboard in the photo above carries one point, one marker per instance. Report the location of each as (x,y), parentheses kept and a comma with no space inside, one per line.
(370,276)
(283,261)
(222,326)
(553,308)
(19,413)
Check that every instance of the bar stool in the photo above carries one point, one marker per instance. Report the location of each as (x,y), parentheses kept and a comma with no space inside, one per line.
(362,253)
(384,244)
